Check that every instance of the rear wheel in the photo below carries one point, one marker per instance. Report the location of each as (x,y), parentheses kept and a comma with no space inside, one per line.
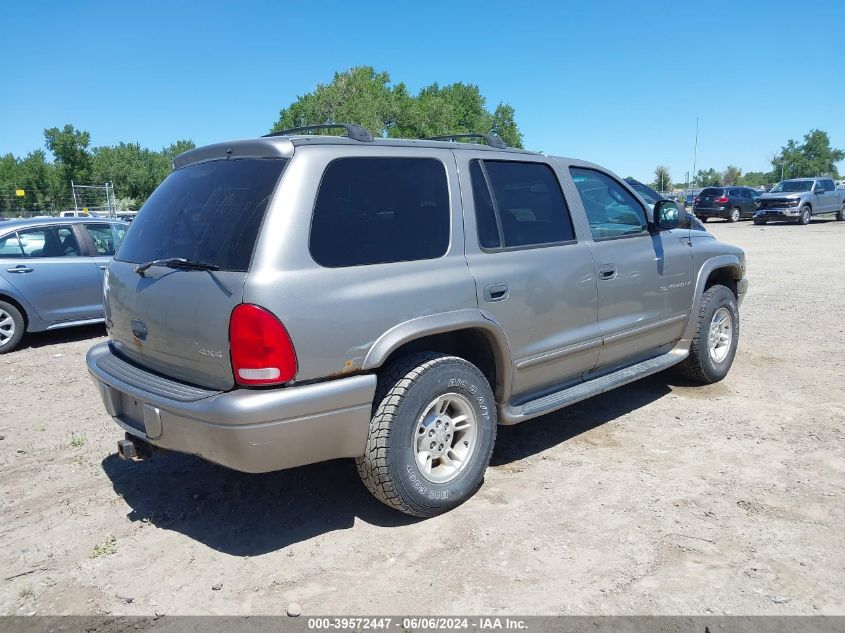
(431,435)
(841,215)
(717,333)
(759,221)
(11,327)
(734,215)
(804,215)
(704,218)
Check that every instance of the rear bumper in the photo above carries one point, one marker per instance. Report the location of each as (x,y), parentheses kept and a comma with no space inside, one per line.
(711,212)
(244,429)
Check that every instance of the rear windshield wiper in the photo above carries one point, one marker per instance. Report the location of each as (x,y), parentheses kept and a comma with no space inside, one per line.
(175,262)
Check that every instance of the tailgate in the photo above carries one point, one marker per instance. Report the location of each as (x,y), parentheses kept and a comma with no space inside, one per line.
(175,320)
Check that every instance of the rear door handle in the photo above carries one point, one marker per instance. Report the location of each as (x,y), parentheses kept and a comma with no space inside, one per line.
(20,269)
(496,292)
(607,271)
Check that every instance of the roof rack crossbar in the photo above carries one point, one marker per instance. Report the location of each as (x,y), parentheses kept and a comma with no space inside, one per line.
(355,132)
(491,139)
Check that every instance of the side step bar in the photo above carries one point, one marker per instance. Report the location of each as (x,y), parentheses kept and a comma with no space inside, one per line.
(559,399)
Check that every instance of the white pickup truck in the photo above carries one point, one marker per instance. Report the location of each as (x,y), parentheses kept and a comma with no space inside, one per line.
(798,199)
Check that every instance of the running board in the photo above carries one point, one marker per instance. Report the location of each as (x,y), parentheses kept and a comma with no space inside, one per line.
(510,414)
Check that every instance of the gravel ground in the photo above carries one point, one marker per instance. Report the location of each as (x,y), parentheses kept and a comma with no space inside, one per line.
(657,498)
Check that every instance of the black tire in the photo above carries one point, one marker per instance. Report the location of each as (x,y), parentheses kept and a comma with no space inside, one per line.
(406,388)
(759,221)
(16,327)
(805,213)
(700,366)
(841,215)
(735,215)
(704,219)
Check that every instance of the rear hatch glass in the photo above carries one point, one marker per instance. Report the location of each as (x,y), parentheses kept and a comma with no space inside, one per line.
(210,212)
(712,192)
(175,321)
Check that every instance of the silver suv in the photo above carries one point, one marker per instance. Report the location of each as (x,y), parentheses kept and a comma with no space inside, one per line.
(296,298)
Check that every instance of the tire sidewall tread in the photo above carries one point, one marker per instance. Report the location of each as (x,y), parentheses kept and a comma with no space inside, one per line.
(388,467)
(20,326)
(698,366)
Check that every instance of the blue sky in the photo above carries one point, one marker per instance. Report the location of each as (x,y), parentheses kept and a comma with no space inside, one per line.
(618,83)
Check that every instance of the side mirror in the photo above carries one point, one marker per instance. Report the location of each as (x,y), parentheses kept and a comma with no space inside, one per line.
(667,216)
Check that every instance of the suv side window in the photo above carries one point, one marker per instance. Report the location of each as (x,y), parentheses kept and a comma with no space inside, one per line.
(49,241)
(519,204)
(380,210)
(611,210)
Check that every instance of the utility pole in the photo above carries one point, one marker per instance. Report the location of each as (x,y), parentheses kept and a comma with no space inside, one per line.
(695,151)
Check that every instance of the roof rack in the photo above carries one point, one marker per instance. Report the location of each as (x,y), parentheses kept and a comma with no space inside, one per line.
(491,139)
(355,132)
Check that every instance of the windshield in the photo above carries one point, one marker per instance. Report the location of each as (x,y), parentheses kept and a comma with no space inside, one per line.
(210,212)
(792,185)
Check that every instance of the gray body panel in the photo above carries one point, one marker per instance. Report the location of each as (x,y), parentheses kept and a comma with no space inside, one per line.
(558,331)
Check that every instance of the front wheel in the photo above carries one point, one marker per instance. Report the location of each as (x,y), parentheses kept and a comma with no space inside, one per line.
(841,215)
(717,333)
(431,435)
(759,221)
(734,215)
(804,215)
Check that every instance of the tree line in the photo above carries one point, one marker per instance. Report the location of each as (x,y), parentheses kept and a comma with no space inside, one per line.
(360,95)
(812,157)
(134,171)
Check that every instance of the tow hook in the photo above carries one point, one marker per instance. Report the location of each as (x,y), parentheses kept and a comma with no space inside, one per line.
(134,449)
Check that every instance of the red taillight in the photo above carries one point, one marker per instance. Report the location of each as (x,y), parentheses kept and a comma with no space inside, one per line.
(262,352)
(722,200)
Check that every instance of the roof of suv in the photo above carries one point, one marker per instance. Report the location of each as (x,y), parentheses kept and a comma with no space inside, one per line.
(283,147)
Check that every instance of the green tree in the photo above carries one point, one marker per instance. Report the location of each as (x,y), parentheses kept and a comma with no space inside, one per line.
(662,179)
(731,175)
(813,157)
(756,178)
(708,178)
(365,97)
(70,148)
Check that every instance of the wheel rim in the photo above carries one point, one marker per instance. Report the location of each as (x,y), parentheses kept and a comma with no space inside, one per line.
(445,437)
(734,215)
(7,327)
(721,334)
(805,216)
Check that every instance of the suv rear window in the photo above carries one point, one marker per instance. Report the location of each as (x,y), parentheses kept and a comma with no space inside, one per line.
(210,212)
(712,191)
(380,210)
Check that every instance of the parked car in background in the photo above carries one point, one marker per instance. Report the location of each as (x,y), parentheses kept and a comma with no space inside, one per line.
(652,197)
(730,203)
(51,274)
(798,199)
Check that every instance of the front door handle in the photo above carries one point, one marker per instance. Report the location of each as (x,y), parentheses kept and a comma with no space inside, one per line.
(607,271)
(103,266)
(496,292)
(20,269)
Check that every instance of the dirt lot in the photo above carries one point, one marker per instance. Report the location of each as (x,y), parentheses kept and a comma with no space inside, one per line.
(656,498)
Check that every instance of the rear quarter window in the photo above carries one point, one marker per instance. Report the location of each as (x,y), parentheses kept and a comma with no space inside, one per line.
(208,212)
(380,210)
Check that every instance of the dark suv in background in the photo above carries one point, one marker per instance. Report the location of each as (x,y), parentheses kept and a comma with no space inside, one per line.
(730,203)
